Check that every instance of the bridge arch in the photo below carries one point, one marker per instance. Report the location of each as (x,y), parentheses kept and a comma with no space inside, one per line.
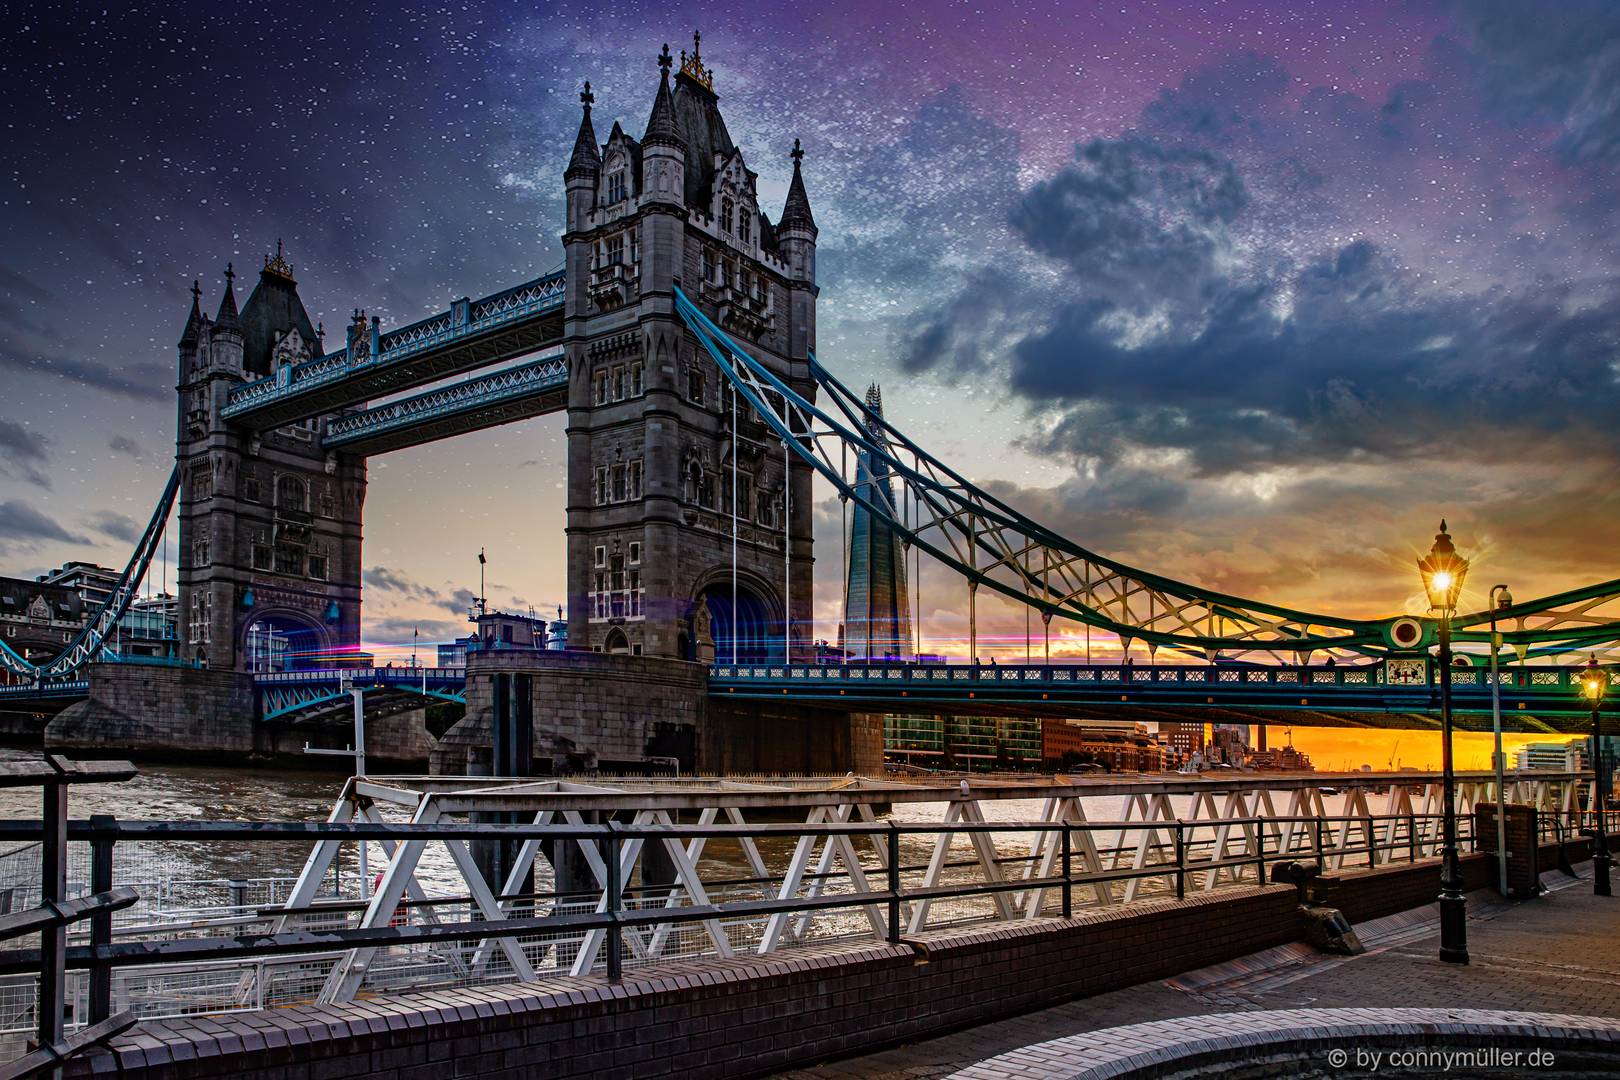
(754,621)
(283,639)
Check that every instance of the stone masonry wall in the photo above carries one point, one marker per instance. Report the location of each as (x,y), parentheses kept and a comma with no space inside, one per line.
(596,709)
(150,710)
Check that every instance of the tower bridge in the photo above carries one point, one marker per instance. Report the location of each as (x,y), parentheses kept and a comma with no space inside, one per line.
(680,338)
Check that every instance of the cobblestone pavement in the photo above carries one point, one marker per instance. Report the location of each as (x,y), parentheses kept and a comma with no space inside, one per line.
(1557,954)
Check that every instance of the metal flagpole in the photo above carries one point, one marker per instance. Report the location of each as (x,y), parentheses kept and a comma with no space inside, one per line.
(736,631)
(787,545)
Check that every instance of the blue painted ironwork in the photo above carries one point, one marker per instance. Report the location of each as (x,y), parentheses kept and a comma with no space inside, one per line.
(481,392)
(992,545)
(283,695)
(88,644)
(1538,691)
(542,296)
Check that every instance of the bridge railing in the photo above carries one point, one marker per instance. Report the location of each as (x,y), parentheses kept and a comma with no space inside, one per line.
(1123,675)
(211,945)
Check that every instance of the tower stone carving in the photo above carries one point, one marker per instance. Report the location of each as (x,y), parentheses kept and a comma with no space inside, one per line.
(269,523)
(675,498)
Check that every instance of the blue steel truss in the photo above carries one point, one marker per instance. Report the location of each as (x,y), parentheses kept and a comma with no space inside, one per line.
(992,545)
(1535,691)
(542,296)
(482,392)
(88,644)
(305,694)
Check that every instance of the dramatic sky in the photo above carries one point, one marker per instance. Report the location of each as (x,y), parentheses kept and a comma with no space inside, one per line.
(1247,293)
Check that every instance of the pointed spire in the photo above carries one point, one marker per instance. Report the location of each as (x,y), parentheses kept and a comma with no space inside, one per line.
(226,319)
(796,211)
(587,159)
(661,125)
(194,320)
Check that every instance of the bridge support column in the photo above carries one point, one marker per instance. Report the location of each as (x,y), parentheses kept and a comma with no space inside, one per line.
(141,710)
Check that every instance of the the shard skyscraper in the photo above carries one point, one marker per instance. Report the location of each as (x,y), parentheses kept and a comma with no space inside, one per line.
(877,620)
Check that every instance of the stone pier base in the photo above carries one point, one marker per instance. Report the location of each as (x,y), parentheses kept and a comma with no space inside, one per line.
(594,711)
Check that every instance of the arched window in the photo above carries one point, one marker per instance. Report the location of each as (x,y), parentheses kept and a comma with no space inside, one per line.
(616,642)
(727,209)
(745,226)
(292,494)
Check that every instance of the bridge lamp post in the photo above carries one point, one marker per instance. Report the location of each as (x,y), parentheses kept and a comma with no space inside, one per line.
(1443,571)
(1594,683)
(1501,600)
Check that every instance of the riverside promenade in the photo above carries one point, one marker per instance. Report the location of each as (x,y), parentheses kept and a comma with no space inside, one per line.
(1557,955)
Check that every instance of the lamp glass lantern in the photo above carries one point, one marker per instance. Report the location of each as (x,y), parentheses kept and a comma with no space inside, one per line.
(1444,570)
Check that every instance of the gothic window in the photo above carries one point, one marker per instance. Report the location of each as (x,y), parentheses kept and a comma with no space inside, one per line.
(200,553)
(317,567)
(727,212)
(599,387)
(745,227)
(635,593)
(694,385)
(618,384)
(618,190)
(633,479)
(635,248)
(613,250)
(202,481)
(765,512)
(635,553)
(618,483)
(637,387)
(601,487)
(601,556)
(745,502)
(292,494)
(290,560)
(250,488)
(328,506)
(261,557)
(200,606)
(708,265)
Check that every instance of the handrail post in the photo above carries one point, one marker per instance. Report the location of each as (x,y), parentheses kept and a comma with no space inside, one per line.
(1321,856)
(615,891)
(1411,838)
(101,880)
(894,883)
(1181,862)
(53,890)
(1068,877)
(1372,842)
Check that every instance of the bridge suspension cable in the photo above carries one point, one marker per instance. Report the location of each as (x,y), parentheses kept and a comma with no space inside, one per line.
(89,642)
(994,546)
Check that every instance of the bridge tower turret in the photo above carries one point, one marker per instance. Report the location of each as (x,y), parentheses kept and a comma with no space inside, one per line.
(269,547)
(654,533)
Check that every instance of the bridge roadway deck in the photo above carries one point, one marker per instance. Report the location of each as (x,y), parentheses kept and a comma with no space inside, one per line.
(1557,954)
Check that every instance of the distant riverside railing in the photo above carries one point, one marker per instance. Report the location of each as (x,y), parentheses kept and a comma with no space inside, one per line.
(464,319)
(199,945)
(1290,677)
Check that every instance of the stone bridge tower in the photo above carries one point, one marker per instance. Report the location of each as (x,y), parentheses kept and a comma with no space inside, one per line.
(653,517)
(269,550)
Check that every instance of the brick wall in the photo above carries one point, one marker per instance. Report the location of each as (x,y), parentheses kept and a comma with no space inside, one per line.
(712,1018)
(1373,893)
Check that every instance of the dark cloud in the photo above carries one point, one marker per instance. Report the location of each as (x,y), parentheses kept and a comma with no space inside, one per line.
(24,452)
(122,444)
(1553,63)
(115,525)
(381,577)
(144,381)
(19,521)
(399,630)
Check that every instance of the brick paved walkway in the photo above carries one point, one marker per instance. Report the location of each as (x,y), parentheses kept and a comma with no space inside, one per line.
(1557,954)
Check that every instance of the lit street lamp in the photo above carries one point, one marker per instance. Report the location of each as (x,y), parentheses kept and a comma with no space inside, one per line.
(1501,600)
(1593,684)
(1443,572)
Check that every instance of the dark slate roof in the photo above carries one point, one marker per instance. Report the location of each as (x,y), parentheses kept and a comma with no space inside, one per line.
(697,111)
(188,337)
(587,160)
(18,594)
(662,127)
(796,210)
(273,309)
(227,318)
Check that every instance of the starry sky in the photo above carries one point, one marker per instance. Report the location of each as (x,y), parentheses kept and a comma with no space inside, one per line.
(1247,293)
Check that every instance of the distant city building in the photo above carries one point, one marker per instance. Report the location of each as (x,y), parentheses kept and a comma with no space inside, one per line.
(1228,745)
(93,583)
(963,743)
(505,630)
(148,629)
(1183,739)
(877,620)
(1281,759)
(1558,756)
(39,617)
(37,620)
(1118,746)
